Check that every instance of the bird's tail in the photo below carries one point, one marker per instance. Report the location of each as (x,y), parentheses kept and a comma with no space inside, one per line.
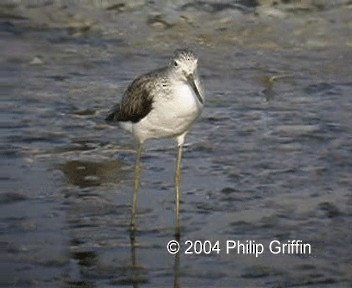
(113,115)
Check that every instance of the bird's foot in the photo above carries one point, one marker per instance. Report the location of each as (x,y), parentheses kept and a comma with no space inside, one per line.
(177,234)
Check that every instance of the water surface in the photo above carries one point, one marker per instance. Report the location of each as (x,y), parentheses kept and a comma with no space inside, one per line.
(269,159)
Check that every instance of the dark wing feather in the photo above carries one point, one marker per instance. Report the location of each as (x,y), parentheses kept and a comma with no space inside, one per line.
(136,102)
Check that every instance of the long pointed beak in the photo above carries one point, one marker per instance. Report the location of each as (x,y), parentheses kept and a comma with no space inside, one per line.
(190,80)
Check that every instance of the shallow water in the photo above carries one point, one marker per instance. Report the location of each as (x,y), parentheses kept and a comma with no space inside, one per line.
(268,160)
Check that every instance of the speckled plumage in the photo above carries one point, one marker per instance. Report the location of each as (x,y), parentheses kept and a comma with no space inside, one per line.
(165,87)
(161,104)
(138,98)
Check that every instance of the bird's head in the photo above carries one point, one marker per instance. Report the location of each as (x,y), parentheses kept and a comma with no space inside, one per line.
(184,67)
(184,63)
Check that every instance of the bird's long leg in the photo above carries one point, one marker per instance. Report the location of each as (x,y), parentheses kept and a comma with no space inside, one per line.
(177,187)
(137,174)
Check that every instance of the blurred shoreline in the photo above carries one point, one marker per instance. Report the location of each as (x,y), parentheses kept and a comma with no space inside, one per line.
(164,24)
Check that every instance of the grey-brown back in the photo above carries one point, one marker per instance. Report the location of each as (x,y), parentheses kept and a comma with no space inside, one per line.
(137,100)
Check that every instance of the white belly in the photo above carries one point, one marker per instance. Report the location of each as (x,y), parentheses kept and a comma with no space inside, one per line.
(171,116)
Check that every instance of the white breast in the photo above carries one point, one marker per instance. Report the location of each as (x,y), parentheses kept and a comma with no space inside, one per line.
(170,116)
(185,100)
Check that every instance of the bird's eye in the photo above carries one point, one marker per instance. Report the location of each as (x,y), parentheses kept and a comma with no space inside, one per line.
(175,63)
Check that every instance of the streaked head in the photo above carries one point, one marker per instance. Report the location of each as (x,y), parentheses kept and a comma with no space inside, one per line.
(184,62)
(183,65)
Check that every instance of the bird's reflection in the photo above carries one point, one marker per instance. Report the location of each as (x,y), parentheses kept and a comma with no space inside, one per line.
(137,276)
(177,271)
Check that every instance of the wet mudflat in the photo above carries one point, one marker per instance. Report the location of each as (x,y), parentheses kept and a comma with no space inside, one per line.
(269,159)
